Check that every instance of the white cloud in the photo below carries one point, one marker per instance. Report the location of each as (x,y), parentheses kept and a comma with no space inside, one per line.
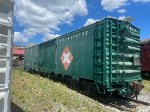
(49,37)
(90,21)
(45,16)
(121,17)
(121,11)
(110,5)
(146,41)
(18,37)
(144,1)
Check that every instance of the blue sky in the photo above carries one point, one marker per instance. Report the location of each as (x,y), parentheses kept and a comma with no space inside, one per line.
(36,21)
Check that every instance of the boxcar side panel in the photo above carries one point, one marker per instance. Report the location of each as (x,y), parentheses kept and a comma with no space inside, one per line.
(75,54)
(50,50)
(42,55)
(35,57)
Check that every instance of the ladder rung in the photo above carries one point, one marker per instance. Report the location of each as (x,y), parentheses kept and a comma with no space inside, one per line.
(3,36)
(3,89)
(2,44)
(2,85)
(114,27)
(3,60)
(1,56)
(114,45)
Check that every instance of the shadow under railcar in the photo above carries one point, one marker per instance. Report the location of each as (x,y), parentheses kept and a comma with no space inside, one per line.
(83,88)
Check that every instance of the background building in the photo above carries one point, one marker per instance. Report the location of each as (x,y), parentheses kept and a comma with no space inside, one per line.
(18,56)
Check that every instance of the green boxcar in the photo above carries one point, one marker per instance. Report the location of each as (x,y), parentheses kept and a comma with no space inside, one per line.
(32,58)
(47,57)
(106,52)
(41,57)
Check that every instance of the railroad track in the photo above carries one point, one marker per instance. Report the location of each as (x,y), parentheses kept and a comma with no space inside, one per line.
(132,108)
(137,101)
(121,108)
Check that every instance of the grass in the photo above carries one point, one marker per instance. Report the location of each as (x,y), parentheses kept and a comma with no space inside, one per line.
(146,85)
(33,93)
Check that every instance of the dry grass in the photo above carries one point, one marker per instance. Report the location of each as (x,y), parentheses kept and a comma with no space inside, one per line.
(34,93)
(146,85)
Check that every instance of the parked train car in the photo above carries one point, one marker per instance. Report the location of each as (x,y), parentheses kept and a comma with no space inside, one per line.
(105,54)
(145,47)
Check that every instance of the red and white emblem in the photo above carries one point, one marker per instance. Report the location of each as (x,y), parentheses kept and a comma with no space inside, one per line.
(66,58)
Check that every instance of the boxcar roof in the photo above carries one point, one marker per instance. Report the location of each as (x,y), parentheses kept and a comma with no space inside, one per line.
(62,36)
